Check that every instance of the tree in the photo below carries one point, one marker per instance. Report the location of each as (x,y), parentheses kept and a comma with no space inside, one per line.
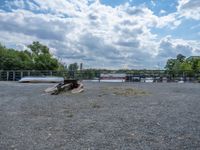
(198,66)
(42,58)
(195,64)
(38,57)
(73,67)
(181,65)
(170,64)
(186,68)
(180,57)
(38,49)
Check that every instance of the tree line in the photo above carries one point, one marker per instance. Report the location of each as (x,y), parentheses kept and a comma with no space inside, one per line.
(38,57)
(182,65)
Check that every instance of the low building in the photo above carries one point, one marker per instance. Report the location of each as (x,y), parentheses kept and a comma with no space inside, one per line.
(112,77)
(133,78)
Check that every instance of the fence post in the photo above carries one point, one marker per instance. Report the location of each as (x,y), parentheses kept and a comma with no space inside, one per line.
(21,74)
(7,75)
(13,75)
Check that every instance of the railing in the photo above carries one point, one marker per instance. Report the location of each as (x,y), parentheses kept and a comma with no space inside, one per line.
(15,75)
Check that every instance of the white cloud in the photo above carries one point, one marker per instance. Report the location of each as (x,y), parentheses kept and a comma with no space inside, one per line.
(172,47)
(90,32)
(189,9)
(162,11)
(181,3)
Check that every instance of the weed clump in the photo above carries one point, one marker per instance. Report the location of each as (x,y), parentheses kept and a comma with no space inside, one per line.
(126,91)
(95,105)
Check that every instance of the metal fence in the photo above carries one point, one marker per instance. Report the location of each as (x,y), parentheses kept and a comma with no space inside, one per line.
(157,75)
(15,75)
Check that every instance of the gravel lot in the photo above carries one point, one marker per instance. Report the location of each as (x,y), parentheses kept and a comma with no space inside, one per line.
(167,116)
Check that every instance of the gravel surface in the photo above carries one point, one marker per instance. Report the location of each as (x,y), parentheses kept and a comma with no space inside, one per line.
(164,116)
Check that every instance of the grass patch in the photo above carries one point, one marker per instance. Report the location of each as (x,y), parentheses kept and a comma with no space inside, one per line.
(68,113)
(126,91)
(95,105)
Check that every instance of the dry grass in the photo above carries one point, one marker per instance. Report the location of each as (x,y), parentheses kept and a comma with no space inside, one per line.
(95,105)
(126,91)
(68,112)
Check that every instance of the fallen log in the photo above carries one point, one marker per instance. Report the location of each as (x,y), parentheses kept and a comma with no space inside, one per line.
(68,85)
(79,89)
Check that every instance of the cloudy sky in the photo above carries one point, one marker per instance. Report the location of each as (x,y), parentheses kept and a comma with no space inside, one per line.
(132,34)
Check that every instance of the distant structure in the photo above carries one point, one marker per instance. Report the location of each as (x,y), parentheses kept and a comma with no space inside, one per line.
(112,77)
(81,66)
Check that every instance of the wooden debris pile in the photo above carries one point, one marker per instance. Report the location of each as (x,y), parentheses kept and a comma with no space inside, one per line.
(74,86)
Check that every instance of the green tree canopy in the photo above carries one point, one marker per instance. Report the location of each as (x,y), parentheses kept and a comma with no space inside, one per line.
(38,57)
(183,65)
(73,67)
(180,57)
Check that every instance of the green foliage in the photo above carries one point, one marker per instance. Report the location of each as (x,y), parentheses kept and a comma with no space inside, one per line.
(180,57)
(185,66)
(90,74)
(38,49)
(170,64)
(182,65)
(37,58)
(73,67)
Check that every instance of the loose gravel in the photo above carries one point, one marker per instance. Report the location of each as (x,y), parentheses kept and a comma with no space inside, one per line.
(165,116)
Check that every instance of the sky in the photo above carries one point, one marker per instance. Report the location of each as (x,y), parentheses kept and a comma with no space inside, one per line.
(112,34)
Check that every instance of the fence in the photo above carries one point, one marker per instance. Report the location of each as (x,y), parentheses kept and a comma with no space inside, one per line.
(15,75)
